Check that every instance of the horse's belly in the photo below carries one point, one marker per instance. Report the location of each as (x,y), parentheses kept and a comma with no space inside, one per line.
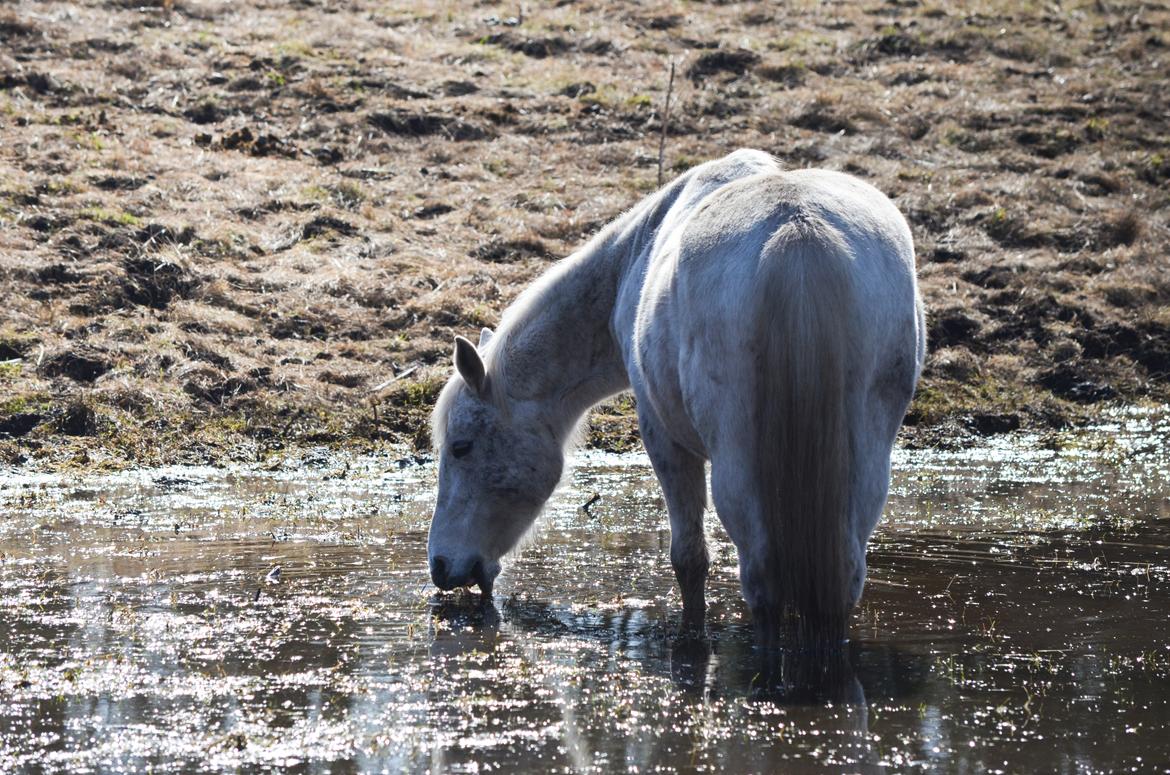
(657,386)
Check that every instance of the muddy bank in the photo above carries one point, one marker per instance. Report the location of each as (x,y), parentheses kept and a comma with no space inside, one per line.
(228,230)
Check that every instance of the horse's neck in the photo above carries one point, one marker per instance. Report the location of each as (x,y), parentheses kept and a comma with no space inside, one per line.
(561,349)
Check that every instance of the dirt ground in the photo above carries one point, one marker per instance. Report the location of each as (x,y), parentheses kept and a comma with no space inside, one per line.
(229,228)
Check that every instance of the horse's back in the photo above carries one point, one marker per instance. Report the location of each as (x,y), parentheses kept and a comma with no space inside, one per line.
(723,251)
(736,241)
(707,293)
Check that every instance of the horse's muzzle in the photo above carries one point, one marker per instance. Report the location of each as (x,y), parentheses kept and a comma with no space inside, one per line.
(447,576)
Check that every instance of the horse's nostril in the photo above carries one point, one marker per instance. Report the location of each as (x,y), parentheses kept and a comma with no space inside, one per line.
(440,570)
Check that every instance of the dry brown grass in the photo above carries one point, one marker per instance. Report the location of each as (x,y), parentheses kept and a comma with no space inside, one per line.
(222,225)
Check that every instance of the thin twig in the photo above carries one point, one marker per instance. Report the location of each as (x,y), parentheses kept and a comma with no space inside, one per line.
(665,122)
(589,503)
(394,379)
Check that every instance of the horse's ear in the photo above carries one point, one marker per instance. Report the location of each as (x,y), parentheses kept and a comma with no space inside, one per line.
(469,364)
(485,336)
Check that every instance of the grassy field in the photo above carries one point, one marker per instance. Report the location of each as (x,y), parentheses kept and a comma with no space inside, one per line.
(228,228)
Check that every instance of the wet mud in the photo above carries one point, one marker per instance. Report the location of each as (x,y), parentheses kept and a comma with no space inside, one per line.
(1016,619)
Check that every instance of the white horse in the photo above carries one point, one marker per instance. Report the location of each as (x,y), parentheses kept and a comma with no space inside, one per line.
(768,321)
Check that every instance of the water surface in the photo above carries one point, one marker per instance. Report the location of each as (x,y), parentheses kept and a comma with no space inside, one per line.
(1017,618)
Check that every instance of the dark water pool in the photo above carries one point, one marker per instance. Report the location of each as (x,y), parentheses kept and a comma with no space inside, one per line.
(1017,619)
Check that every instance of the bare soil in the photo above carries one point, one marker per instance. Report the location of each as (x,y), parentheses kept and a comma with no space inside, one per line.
(227,228)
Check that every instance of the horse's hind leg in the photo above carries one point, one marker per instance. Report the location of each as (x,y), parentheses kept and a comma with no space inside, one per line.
(736,495)
(684,486)
(872,444)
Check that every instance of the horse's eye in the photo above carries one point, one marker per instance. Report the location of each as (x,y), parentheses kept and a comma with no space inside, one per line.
(460,448)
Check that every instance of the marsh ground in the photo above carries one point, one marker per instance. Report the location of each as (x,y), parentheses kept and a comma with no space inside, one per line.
(225,228)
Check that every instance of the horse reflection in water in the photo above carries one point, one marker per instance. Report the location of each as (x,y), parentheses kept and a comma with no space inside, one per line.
(820,692)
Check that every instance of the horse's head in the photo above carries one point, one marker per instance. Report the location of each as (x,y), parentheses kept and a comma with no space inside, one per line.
(499,461)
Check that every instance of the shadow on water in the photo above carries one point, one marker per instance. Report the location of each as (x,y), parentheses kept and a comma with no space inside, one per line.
(1017,616)
(722,662)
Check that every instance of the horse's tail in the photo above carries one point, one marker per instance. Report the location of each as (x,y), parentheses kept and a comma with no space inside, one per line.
(804,453)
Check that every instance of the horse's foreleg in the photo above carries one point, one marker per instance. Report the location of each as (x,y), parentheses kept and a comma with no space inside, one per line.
(684,486)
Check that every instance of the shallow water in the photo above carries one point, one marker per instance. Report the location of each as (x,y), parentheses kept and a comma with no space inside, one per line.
(1017,618)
